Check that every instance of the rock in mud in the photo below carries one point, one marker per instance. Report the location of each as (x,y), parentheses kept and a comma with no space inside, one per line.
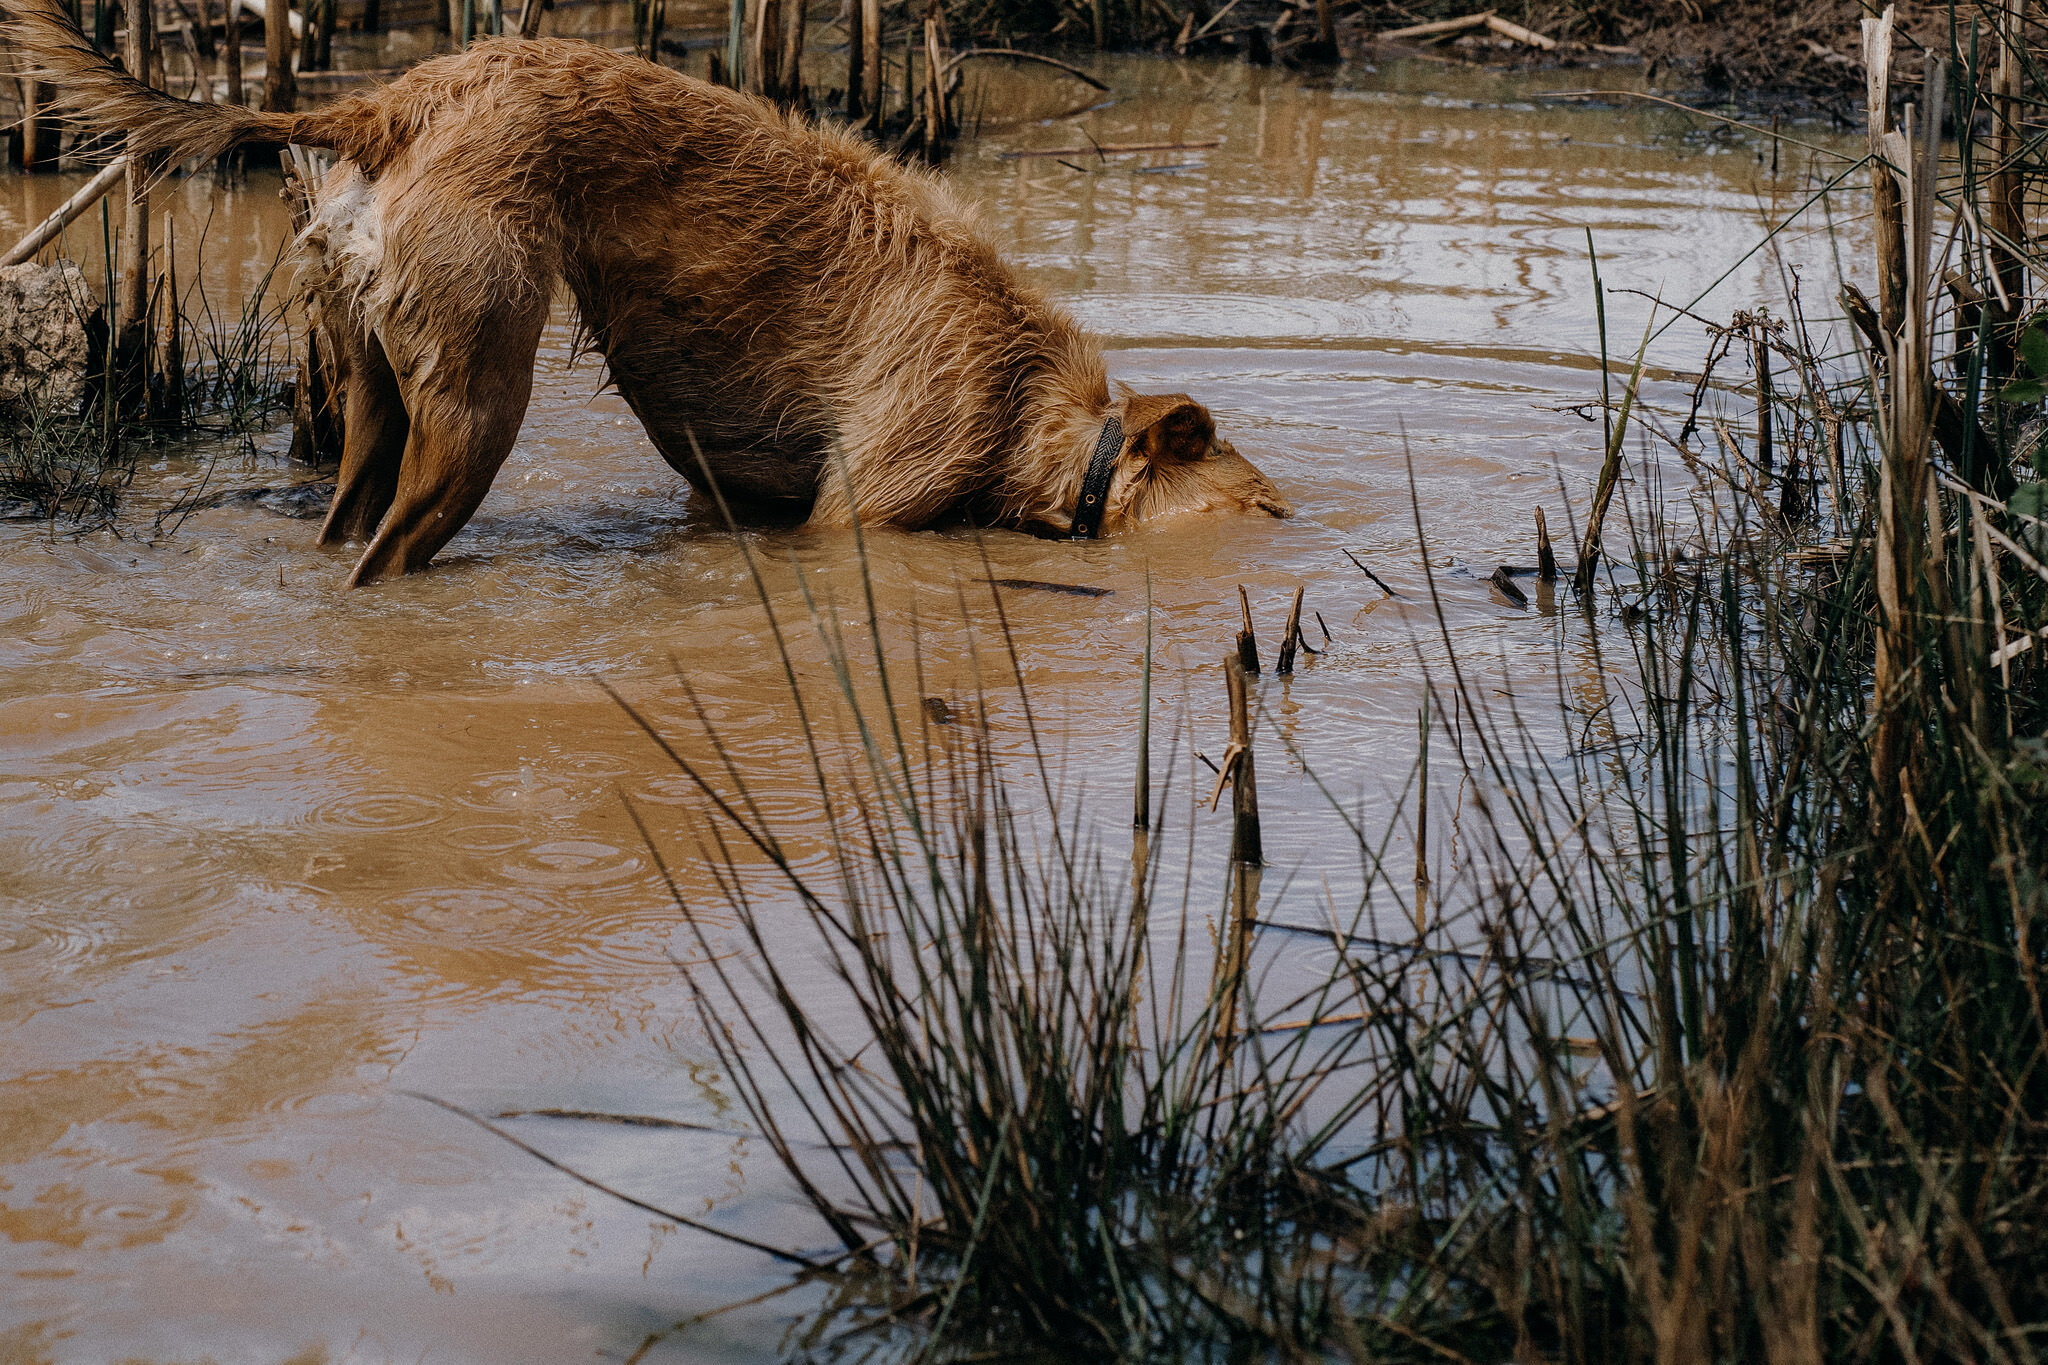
(49,321)
(303,501)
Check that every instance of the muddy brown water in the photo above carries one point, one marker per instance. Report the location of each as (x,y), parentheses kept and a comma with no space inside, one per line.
(272,853)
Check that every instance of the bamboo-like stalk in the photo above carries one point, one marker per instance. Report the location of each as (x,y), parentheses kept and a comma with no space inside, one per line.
(230,56)
(131,345)
(280,87)
(938,123)
(856,60)
(872,72)
(48,230)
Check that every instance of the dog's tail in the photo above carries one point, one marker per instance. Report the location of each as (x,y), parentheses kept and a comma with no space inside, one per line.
(99,93)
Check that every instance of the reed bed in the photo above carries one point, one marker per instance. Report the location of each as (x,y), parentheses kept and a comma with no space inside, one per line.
(1721,1037)
(206,376)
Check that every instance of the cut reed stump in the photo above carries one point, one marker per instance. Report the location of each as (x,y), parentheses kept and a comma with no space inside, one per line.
(1503,584)
(1546,561)
(1247,643)
(1290,635)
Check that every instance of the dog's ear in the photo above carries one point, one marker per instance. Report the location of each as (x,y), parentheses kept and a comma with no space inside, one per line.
(1169,428)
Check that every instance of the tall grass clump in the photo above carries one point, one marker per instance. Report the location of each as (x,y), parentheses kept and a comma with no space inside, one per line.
(208,375)
(1721,1036)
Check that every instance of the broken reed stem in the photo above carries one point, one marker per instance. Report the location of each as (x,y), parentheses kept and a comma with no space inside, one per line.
(1903,489)
(1141,803)
(174,333)
(1610,471)
(1546,561)
(1884,191)
(1247,643)
(1422,819)
(1246,855)
(1245,844)
(1760,348)
(1290,636)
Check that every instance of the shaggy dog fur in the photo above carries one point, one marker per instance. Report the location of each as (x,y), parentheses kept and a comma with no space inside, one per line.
(822,323)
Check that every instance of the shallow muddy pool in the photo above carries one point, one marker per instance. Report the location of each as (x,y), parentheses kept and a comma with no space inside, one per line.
(273,853)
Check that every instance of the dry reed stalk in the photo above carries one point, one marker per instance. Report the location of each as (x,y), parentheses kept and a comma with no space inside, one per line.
(1610,473)
(871,48)
(280,88)
(1760,348)
(1903,488)
(2005,213)
(1290,635)
(1247,854)
(938,125)
(174,332)
(1884,192)
(1422,817)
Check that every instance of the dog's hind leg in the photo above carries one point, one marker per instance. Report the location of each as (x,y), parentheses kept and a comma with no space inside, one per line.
(465,411)
(375,427)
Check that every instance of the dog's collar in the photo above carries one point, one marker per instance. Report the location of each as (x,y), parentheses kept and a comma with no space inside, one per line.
(1094,500)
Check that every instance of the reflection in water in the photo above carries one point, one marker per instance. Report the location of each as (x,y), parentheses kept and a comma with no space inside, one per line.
(271,852)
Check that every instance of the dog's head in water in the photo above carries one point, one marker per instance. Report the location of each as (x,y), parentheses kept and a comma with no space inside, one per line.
(1174,463)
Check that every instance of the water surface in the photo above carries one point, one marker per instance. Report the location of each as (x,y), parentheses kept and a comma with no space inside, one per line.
(272,853)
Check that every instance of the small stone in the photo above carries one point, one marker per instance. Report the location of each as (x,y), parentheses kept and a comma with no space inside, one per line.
(49,319)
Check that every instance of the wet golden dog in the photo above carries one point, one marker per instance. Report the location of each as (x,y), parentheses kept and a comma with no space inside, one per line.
(824,324)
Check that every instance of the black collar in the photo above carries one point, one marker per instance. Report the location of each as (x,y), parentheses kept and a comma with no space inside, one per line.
(1094,500)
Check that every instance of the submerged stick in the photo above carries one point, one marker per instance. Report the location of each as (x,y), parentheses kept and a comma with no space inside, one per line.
(1290,637)
(1018,55)
(1100,149)
(1546,561)
(1377,580)
(47,231)
(1247,643)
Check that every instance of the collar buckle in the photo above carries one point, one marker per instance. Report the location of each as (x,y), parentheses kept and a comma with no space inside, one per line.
(1094,500)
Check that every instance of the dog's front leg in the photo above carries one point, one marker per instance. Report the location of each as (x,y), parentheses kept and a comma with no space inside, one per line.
(465,411)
